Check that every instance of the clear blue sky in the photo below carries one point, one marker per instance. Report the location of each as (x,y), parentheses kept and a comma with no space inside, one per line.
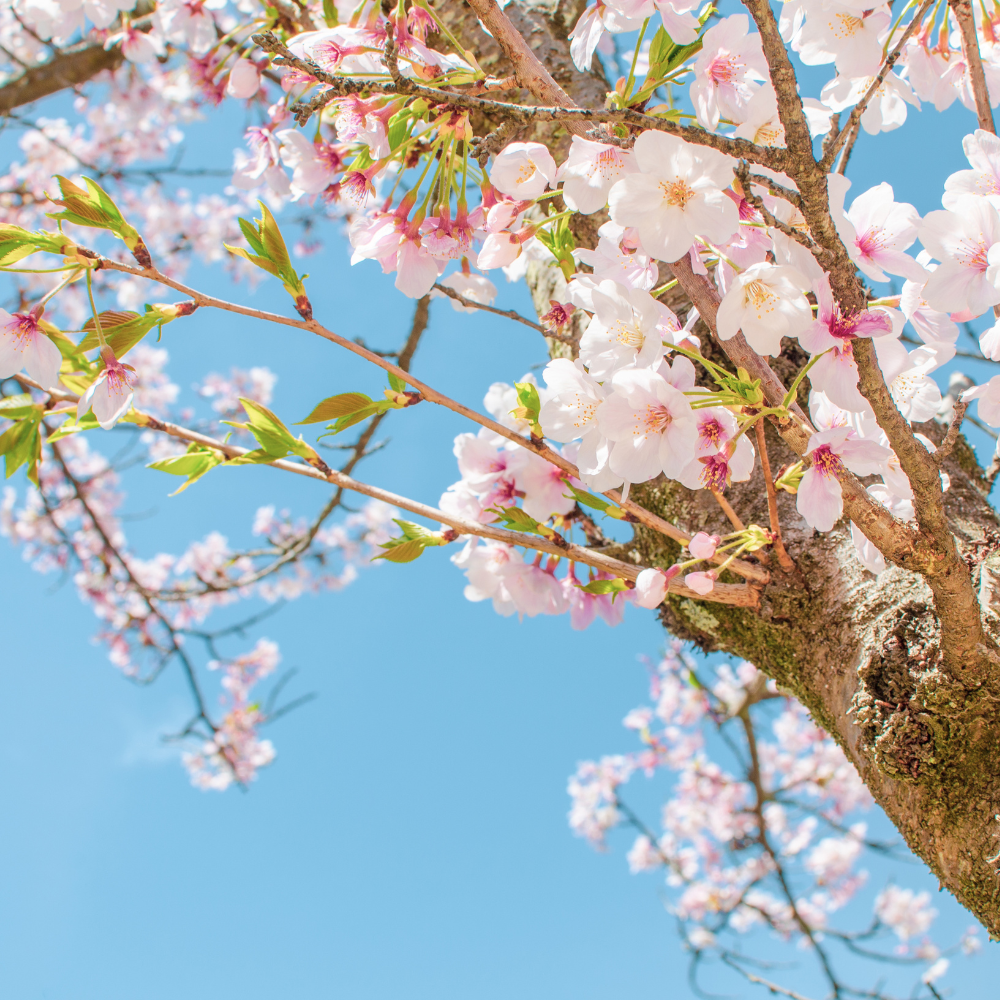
(410,841)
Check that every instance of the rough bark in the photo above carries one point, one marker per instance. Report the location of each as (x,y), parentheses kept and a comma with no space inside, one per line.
(862,653)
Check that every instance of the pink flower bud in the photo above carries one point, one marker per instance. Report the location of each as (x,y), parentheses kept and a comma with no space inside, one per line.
(701,583)
(650,588)
(244,80)
(702,546)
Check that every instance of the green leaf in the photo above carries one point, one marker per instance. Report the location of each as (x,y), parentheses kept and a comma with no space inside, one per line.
(17,243)
(411,543)
(193,464)
(94,208)
(527,397)
(396,383)
(596,503)
(88,422)
(355,418)
(338,406)
(271,254)
(274,438)
(397,130)
(403,552)
(615,586)
(20,444)
(18,407)
(560,242)
(122,330)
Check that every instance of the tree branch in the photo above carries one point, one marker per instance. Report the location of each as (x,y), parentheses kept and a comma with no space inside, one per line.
(962,9)
(742,568)
(70,68)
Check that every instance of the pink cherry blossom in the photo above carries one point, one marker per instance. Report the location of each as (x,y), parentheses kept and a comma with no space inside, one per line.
(244,80)
(110,394)
(24,345)
(702,545)
(702,582)
(589,173)
(962,239)
(820,499)
(883,230)
(727,70)
(650,423)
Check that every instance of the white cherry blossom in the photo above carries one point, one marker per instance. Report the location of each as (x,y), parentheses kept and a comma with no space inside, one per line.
(651,425)
(677,195)
(628,328)
(589,173)
(767,302)
(523,170)
(963,239)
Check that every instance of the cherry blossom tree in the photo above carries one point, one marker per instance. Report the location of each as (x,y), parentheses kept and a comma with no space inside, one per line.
(731,429)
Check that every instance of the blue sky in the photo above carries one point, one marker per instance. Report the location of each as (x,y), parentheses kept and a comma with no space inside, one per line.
(411,838)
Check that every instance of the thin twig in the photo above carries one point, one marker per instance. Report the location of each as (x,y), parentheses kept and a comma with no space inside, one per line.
(784,560)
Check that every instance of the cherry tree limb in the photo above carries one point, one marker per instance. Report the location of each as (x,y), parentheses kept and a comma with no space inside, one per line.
(739,566)
(962,10)
(70,68)
(578,120)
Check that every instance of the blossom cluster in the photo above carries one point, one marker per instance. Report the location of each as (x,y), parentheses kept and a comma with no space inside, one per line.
(153,610)
(778,846)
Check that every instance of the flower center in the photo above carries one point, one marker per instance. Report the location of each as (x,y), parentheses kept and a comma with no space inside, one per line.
(677,193)
(24,327)
(715,475)
(608,163)
(658,418)
(711,431)
(770,133)
(628,335)
(723,69)
(759,296)
(974,254)
(585,409)
(845,25)
(826,462)
(525,172)
(872,241)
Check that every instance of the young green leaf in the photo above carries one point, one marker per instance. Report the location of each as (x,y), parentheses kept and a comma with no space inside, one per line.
(94,208)
(274,438)
(411,543)
(396,383)
(17,243)
(21,443)
(529,406)
(123,330)
(193,464)
(615,586)
(18,407)
(335,407)
(558,239)
(71,425)
(596,503)
(271,254)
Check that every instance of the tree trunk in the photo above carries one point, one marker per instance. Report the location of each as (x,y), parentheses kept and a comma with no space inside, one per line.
(860,652)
